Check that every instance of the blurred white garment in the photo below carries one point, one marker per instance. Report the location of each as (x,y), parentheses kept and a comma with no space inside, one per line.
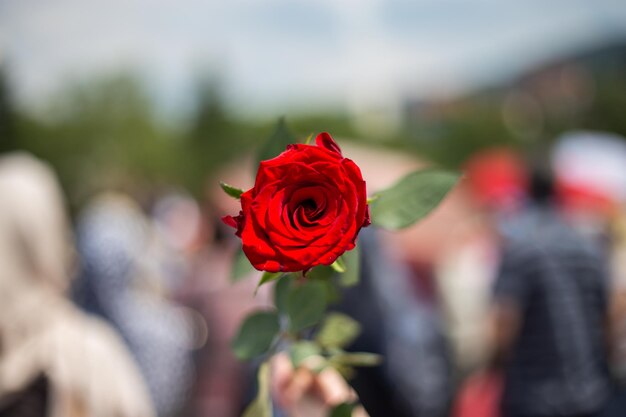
(592,161)
(464,279)
(89,371)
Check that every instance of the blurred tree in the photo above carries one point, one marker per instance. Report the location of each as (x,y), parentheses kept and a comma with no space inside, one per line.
(103,135)
(607,110)
(215,137)
(211,118)
(210,134)
(8,115)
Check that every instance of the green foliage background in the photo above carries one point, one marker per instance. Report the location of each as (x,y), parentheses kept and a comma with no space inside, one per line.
(105,133)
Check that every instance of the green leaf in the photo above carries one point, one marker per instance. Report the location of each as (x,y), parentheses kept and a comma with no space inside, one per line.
(333,294)
(277,142)
(299,351)
(281,292)
(306,305)
(339,265)
(342,410)
(262,404)
(347,372)
(325,274)
(338,331)
(411,198)
(256,334)
(308,139)
(321,273)
(231,191)
(268,277)
(372,198)
(352,262)
(241,267)
(357,359)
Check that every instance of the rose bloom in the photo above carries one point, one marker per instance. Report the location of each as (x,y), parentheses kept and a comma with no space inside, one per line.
(306,208)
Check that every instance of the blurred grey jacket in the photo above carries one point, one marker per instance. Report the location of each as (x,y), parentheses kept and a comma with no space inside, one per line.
(121,280)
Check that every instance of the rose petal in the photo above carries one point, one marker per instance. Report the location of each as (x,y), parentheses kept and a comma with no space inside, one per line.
(306,208)
(324,140)
(229,221)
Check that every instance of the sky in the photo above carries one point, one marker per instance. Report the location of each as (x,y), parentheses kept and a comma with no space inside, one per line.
(273,56)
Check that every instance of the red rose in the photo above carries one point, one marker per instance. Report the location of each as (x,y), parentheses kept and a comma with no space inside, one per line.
(306,208)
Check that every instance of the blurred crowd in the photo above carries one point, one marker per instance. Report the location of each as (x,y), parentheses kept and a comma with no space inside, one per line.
(509,300)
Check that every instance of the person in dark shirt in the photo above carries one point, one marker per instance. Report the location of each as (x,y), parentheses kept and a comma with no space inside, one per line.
(549,317)
(414,378)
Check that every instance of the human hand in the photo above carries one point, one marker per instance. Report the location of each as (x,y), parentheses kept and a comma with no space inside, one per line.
(303,393)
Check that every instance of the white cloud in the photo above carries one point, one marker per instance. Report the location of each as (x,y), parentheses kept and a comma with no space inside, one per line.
(276,52)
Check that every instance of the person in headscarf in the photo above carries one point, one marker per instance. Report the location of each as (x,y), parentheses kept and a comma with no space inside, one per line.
(55,360)
(122,280)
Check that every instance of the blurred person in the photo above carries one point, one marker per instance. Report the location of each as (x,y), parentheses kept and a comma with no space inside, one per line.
(549,315)
(180,228)
(223,298)
(617,328)
(590,171)
(495,184)
(618,269)
(122,280)
(221,379)
(415,377)
(54,360)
